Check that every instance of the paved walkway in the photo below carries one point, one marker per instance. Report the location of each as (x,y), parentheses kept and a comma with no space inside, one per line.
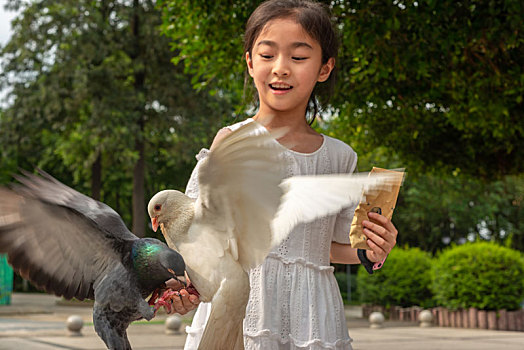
(37,321)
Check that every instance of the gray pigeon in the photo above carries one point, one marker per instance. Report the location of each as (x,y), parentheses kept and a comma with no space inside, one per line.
(74,246)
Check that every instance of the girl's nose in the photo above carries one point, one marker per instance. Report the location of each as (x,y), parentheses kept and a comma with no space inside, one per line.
(281,67)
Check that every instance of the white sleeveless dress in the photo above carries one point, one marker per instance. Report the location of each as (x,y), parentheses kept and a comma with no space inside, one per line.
(295,301)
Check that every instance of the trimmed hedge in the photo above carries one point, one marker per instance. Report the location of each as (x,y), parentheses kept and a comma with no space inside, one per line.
(404,280)
(480,275)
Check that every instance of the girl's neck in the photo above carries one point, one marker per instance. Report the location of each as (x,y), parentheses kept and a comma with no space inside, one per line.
(300,137)
(295,122)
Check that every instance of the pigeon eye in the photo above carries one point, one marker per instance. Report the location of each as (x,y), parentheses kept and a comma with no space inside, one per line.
(158,207)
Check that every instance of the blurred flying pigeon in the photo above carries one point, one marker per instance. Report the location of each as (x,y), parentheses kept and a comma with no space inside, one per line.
(74,246)
(245,207)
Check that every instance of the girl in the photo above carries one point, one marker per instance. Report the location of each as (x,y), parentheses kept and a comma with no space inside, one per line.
(295,303)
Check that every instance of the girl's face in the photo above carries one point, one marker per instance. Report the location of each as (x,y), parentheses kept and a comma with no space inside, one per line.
(285,65)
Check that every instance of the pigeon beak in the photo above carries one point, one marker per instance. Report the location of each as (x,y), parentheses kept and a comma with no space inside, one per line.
(154,223)
(179,279)
(182,280)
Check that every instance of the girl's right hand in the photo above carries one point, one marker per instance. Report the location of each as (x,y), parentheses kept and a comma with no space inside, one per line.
(183,302)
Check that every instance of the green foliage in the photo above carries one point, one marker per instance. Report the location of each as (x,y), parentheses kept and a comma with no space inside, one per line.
(208,37)
(481,275)
(433,212)
(404,280)
(93,81)
(427,73)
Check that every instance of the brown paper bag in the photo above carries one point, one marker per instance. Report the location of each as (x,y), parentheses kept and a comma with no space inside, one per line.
(380,201)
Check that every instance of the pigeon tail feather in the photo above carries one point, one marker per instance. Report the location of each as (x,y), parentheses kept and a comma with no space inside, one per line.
(224,328)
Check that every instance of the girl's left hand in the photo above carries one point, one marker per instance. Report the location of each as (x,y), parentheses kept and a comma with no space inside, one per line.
(381,234)
(183,301)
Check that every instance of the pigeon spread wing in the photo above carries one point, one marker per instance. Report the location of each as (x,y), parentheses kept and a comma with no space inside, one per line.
(307,198)
(239,192)
(245,199)
(59,239)
(48,189)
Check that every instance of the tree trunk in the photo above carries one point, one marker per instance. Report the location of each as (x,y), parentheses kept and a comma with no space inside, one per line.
(139,169)
(96,178)
(138,191)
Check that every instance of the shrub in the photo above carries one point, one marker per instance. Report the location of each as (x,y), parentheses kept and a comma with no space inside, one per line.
(481,275)
(404,280)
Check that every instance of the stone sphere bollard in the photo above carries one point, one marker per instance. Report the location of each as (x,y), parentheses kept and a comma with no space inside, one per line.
(376,319)
(426,318)
(173,324)
(74,325)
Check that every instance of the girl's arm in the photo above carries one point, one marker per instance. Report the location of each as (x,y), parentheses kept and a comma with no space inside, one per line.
(382,237)
(343,254)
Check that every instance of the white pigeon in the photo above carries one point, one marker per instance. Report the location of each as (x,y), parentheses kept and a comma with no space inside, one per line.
(245,208)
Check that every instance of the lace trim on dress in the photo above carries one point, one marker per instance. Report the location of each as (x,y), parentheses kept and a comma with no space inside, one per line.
(300,261)
(202,154)
(298,343)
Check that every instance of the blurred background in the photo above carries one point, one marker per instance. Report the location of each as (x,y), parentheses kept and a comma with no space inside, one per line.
(115,98)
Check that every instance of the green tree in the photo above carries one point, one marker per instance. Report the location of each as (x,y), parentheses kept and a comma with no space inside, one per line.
(434,212)
(208,38)
(438,82)
(94,93)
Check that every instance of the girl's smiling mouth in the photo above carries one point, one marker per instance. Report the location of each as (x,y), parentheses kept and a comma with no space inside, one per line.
(280,87)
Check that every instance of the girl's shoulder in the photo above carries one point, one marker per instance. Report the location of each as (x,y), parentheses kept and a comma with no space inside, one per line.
(342,156)
(338,146)
(237,125)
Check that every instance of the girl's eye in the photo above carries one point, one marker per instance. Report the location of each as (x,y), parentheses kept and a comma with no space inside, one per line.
(299,58)
(266,56)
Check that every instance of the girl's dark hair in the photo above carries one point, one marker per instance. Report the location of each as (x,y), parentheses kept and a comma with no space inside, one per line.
(315,18)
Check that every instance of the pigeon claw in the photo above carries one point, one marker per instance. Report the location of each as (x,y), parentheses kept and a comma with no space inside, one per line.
(165,300)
